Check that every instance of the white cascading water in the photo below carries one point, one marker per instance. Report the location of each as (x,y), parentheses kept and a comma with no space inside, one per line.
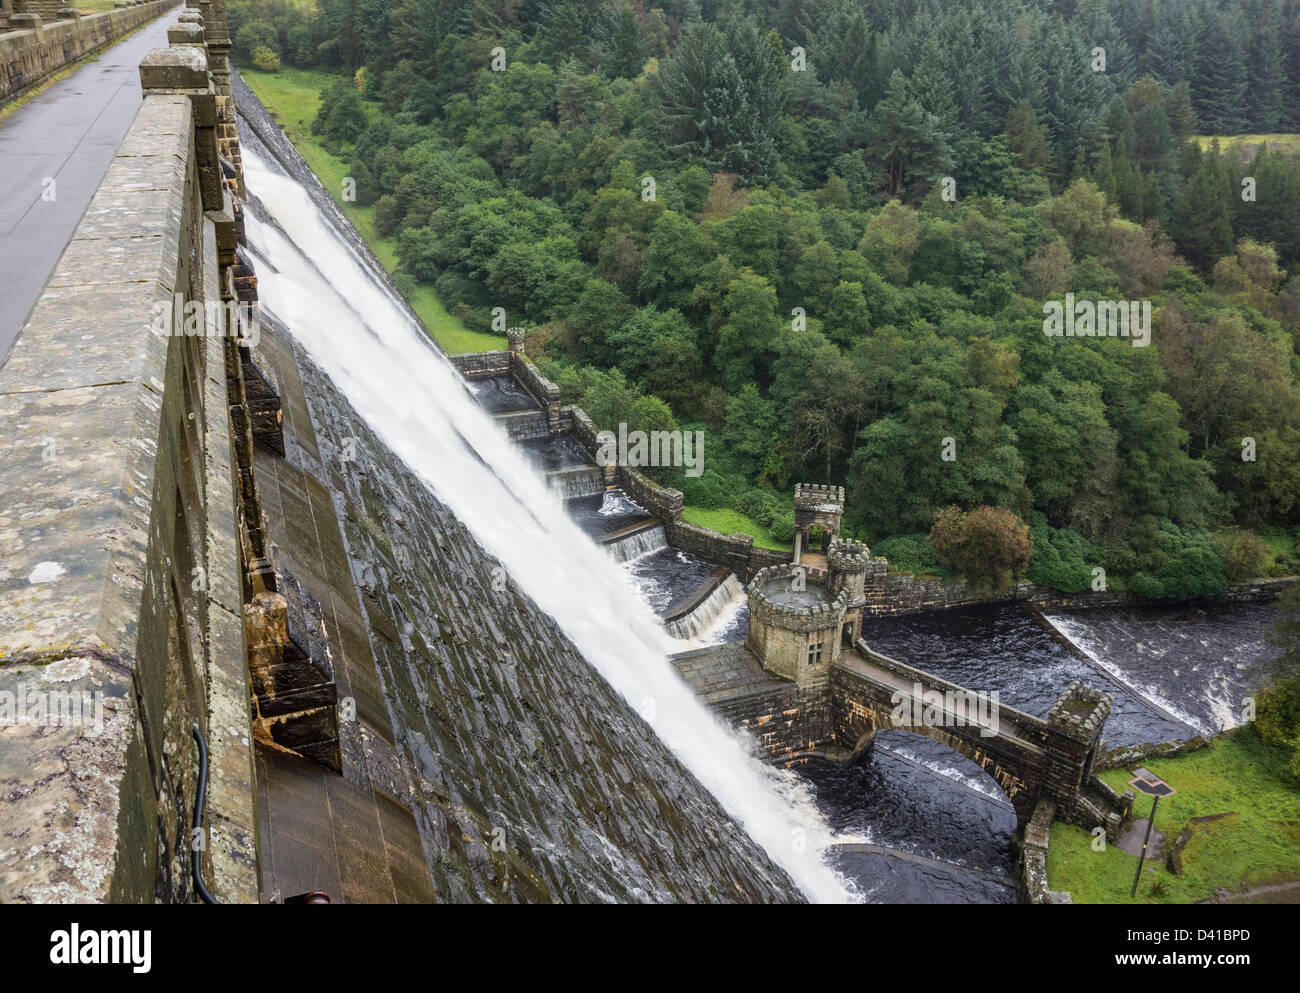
(569,483)
(719,606)
(412,397)
(635,545)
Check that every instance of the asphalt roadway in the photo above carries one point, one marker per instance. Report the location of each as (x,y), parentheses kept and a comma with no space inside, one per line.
(68,133)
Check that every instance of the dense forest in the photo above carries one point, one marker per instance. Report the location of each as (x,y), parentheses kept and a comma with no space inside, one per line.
(824,231)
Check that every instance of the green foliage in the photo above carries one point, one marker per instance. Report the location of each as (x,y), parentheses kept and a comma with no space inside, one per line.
(341,118)
(1062,559)
(909,553)
(1244,554)
(266,59)
(792,277)
(988,546)
(1177,564)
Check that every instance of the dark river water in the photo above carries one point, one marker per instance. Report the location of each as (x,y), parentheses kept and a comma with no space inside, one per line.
(1173,673)
(916,822)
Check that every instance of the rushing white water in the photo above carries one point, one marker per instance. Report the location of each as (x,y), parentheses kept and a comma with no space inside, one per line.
(414,400)
(632,547)
(1077,635)
(722,604)
(569,483)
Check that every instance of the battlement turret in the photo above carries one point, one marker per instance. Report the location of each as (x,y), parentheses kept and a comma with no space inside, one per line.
(1080,712)
(817,497)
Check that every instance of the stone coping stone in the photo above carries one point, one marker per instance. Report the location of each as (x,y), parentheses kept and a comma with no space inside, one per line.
(80,419)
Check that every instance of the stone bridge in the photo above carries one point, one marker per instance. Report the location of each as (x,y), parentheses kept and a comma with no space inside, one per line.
(833,712)
(1029,758)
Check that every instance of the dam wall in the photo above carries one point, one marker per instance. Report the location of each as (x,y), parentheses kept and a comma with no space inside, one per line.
(470,723)
(189,554)
(43,36)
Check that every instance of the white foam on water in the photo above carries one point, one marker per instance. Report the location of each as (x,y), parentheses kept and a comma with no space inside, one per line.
(1081,637)
(363,338)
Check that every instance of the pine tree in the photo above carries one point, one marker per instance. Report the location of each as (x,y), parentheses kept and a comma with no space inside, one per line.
(1166,55)
(931,86)
(1267,74)
(1219,87)
(1178,108)
(1028,139)
(627,54)
(906,142)
(1200,224)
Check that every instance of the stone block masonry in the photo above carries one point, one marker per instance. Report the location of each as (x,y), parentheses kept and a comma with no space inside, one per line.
(45,44)
(121,559)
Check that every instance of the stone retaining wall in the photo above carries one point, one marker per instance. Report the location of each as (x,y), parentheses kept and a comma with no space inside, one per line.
(730,550)
(903,593)
(475,365)
(37,50)
(1033,857)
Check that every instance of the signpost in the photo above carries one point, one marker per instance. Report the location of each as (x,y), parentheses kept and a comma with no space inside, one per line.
(1145,781)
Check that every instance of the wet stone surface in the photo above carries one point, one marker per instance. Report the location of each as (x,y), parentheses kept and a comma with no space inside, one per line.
(529,778)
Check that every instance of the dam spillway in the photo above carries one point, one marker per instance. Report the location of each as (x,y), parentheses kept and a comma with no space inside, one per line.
(459,455)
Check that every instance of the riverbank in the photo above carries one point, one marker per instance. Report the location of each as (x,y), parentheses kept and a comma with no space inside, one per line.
(1233,825)
(293,97)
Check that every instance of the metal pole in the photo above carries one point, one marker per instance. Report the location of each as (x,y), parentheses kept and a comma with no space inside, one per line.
(1147,837)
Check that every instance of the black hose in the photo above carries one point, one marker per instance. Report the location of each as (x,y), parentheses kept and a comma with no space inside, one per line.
(196,852)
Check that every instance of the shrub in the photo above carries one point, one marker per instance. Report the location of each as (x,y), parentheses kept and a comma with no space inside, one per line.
(1245,555)
(989,546)
(1277,713)
(782,528)
(1062,559)
(388,214)
(910,553)
(266,59)
(1178,564)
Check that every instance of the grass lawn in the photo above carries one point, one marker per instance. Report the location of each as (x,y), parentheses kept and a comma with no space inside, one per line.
(1260,845)
(1242,146)
(731,522)
(293,96)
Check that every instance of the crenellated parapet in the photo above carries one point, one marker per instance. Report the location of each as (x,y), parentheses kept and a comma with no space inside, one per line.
(795,622)
(816,505)
(819,498)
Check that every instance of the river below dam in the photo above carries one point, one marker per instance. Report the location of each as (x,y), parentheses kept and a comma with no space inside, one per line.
(916,822)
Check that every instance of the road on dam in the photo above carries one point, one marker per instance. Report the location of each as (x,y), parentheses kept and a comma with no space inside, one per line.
(67,134)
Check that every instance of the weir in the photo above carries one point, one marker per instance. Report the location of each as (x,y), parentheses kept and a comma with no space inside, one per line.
(210,532)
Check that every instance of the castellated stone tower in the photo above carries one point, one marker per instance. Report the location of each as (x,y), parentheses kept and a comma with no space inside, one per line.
(1075,723)
(515,338)
(847,563)
(794,623)
(816,505)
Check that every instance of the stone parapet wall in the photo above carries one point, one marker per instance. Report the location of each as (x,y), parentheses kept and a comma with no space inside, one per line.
(476,365)
(663,502)
(530,378)
(1033,857)
(903,593)
(1032,729)
(29,55)
(119,508)
(729,550)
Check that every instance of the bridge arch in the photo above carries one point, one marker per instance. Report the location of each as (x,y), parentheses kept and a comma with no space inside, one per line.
(867,720)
